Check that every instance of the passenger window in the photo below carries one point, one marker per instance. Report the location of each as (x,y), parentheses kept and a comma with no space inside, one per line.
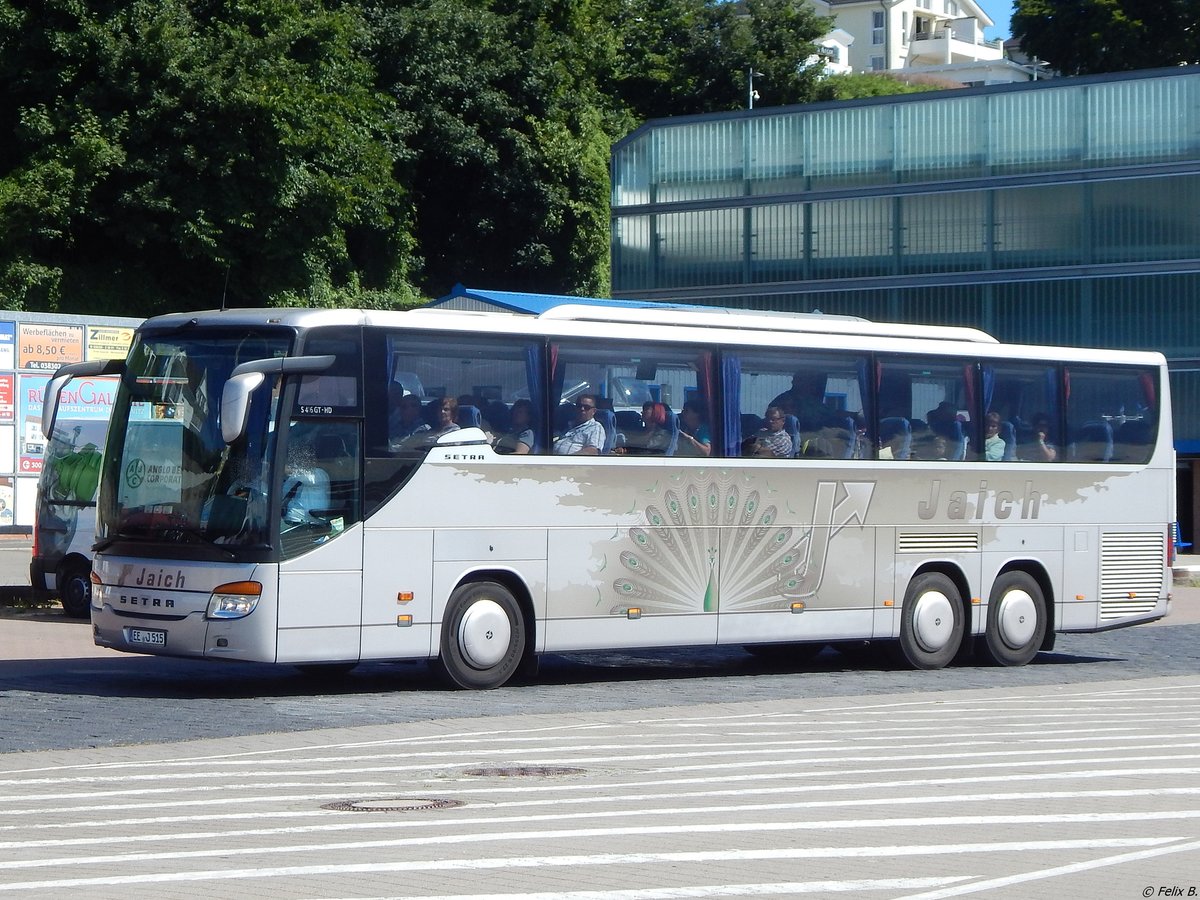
(1112,414)
(926,411)
(797,405)
(1023,400)
(631,400)
(431,385)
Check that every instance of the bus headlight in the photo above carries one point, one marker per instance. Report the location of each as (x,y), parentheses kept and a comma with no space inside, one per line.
(233,600)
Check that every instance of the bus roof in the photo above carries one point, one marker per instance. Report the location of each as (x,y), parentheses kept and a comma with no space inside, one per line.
(670,324)
(756,320)
(578,309)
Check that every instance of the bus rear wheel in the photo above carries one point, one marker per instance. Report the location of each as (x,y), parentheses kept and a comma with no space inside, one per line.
(483,636)
(931,623)
(1016,620)
(75,589)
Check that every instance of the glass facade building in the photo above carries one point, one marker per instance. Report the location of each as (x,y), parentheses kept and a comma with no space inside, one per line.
(1054,212)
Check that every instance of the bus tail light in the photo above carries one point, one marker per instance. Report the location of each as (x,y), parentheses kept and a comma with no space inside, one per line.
(233,600)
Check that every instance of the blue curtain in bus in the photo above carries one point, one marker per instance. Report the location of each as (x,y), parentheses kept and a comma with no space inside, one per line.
(536,383)
(554,389)
(862,368)
(989,387)
(731,385)
(1052,392)
(862,429)
(707,377)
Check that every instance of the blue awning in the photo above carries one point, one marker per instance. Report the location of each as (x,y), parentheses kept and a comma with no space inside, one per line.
(535,304)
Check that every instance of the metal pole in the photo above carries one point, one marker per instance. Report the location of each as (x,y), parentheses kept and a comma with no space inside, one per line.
(750,95)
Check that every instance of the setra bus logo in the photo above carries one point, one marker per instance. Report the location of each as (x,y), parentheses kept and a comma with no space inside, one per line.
(133,600)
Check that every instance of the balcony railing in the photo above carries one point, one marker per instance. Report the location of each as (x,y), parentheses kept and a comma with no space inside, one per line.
(994,43)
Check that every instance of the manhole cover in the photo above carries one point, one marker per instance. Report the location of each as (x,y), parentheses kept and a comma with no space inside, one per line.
(515,771)
(391,804)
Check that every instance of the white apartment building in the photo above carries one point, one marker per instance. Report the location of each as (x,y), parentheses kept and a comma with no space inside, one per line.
(835,52)
(929,37)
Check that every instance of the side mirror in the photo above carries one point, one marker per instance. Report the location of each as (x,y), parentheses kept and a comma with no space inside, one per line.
(235,404)
(247,377)
(58,380)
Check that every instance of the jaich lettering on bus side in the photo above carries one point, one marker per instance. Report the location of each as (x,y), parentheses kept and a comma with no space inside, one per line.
(975,504)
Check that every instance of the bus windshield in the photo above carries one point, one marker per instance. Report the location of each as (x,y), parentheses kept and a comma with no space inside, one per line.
(169,476)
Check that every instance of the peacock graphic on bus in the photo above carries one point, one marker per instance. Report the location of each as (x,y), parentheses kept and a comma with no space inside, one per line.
(671,563)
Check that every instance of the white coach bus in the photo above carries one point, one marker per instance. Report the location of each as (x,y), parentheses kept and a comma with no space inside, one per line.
(324,487)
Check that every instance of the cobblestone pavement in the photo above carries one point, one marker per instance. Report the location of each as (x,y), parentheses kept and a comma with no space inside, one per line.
(1046,791)
(89,697)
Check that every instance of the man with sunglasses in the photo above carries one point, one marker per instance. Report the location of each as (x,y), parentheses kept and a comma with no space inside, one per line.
(772,440)
(586,436)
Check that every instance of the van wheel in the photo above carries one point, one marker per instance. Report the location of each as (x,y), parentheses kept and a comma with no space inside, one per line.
(931,623)
(483,636)
(1016,620)
(75,589)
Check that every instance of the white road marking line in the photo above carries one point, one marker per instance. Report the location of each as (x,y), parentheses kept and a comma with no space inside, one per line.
(625,831)
(568,791)
(775,889)
(766,759)
(575,861)
(1055,872)
(879,740)
(642,812)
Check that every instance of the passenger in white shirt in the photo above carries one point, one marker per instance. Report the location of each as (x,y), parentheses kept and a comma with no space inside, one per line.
(586,436)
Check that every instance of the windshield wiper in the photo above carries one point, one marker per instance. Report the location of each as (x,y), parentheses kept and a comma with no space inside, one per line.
(142,525)
(176,533)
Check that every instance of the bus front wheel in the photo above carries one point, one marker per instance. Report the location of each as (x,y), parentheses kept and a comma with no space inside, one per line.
(483,636)
(1016,620)
(931,623)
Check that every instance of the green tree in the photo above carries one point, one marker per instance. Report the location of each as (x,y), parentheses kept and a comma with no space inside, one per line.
(855,85)
(1081,37)
(652,62)
(508,138)
(333,152)
(694,56)
(783,37)
(169,153)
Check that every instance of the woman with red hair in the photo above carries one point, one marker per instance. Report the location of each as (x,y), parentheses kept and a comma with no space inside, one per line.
(654,438)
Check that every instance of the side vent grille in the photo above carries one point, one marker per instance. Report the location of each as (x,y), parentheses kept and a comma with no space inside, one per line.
(937,542)
(1132,571)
